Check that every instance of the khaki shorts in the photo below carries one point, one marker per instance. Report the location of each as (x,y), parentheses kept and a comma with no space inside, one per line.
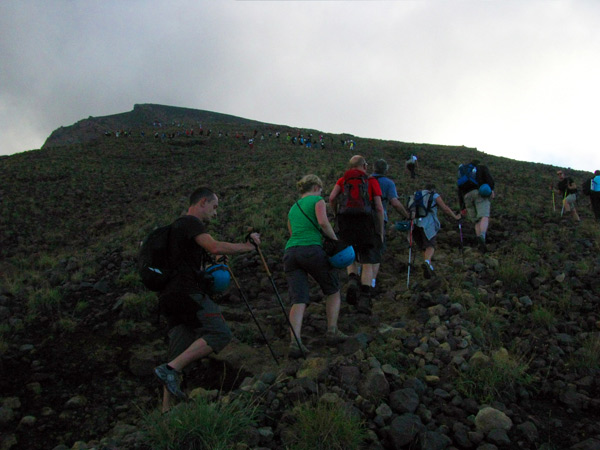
(477,206)
(570,200)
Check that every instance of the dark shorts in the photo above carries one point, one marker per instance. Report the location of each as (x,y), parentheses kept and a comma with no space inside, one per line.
(299,262)
(421,240)
(193,316)
(360,231)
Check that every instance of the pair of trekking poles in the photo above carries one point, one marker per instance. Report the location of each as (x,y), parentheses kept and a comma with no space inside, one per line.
(235,281)
(410,242)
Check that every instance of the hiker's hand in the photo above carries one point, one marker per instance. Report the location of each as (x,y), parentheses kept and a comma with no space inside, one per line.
(458,216)
(254,238)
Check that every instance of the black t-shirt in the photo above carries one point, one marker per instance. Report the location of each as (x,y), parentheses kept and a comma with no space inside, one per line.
(187,257)
(563,186)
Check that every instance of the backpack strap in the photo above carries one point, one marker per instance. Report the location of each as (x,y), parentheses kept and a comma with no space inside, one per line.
(310,220)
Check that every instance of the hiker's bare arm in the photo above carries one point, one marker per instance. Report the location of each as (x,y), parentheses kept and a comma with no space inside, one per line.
(333,198)
(399,207)
(380,217)
(321,212)
(446,209)
(209,244)
(289,227)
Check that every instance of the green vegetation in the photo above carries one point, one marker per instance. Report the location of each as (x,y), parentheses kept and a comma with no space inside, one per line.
(200,425)
(324,426)
(494,380)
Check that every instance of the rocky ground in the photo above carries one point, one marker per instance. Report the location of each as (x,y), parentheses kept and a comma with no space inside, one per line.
(499,350)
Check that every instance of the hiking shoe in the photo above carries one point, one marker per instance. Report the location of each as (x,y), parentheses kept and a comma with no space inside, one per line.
(427,270)
(481,244)
(171,379)
(334,337)
(352,291)
(295,352)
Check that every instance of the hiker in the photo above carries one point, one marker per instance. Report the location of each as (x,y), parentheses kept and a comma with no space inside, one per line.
(196,326)
(567,189)
(389,196)
(595,194)
(427,224)
(356,202)
(304,255)
(411,165)
(475,191)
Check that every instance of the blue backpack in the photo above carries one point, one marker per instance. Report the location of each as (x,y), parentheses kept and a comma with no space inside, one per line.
(467,176)
(421,203)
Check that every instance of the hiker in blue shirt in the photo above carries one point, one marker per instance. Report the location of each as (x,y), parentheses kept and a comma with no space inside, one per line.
(389,196)
(595,194)
(426,228)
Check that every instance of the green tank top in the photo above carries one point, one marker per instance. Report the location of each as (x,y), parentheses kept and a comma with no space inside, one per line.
(303,231)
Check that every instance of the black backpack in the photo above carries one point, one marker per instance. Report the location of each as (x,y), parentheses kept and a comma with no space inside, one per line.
(153,259)
(586,187)
(354,198)
(420,203)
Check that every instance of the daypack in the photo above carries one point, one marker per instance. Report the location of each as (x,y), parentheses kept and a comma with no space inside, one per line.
(420,203)
(153,259)
(354,198)
(586,187)
(467,176)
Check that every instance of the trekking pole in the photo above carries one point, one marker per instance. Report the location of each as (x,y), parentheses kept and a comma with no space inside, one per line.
(462,246)
(553,201)
(277,294)
(409,253)
(251,312)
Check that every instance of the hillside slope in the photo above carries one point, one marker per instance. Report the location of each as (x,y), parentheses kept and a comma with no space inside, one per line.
(515,329)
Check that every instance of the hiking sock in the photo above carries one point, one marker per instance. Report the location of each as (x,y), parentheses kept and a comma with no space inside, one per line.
(373,283)
(171,368)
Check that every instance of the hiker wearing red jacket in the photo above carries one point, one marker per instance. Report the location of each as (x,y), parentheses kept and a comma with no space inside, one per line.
(356,202)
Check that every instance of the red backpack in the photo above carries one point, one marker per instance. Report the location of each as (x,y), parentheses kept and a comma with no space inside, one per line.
(354,198)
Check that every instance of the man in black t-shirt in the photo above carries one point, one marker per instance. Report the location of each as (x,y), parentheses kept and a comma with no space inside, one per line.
(567,190)
(196,325)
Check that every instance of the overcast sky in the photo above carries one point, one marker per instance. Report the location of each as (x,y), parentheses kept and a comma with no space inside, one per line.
(515,78)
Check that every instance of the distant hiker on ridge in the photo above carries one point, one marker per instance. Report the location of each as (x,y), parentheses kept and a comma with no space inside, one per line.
(411,165)
(196,326)
(568,193)
(389,195)
(304,255)
(427,224)
(475,190)
(356,202)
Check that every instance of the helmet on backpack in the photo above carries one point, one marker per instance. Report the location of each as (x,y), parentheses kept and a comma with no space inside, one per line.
(220,277)
(343,258)
(485,190)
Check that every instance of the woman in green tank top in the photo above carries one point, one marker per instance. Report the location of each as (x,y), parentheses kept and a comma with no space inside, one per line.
(304,255)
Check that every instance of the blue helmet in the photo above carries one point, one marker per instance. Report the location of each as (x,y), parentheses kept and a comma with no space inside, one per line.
(343,258)
(220,277)
(485,190)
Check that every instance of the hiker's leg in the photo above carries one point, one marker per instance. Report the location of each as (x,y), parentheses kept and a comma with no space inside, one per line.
(366,276)
(428,254)
(353,269)
(197,350)
(168,400)
(375,270)
(296,316)
(482,226)
(575,215)
(332,309)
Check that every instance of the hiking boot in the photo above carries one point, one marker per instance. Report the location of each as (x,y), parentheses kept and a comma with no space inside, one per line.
(352,291)
(171,379)
(365,302)
(481,244)
(295,352)
(427,270)
(334,337)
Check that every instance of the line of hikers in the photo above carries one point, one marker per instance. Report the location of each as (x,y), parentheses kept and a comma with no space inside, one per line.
(180,260)
(568,193)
